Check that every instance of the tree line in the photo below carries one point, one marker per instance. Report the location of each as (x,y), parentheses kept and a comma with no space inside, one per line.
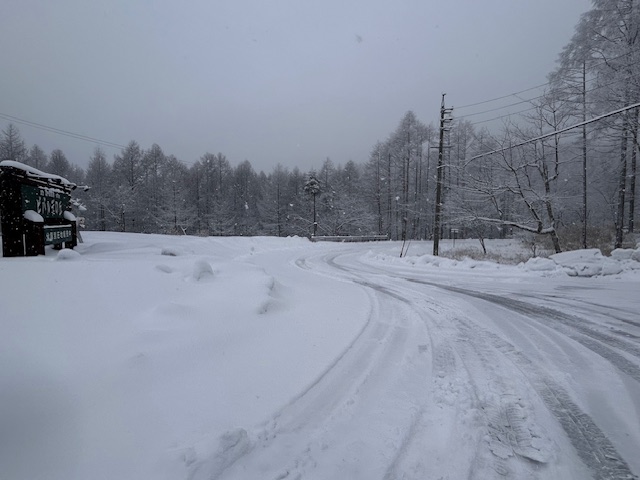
(577,187)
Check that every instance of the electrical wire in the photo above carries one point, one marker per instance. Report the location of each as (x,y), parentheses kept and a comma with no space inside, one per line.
(528,101)
(501,97)
(515,94)
(66,133)
(562,130)
(59,131)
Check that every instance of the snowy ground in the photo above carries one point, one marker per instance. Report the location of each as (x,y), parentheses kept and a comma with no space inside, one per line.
(169,358)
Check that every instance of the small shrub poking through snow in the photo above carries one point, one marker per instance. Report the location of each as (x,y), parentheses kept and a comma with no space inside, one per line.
(506,257)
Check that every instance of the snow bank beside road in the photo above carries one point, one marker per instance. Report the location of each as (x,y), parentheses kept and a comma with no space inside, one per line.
(588,263)
(577,263)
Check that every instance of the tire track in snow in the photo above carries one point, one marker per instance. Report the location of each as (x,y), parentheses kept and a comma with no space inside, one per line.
(570,326)
(510,422)
(513,445)
(610,312)
(592,445)
(360,382)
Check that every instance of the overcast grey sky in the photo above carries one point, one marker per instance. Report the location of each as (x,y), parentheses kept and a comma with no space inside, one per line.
(280,81)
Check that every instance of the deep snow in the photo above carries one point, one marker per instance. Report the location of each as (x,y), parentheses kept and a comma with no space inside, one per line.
(158,357)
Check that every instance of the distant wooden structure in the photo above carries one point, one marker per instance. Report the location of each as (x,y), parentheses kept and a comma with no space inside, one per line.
(34,210)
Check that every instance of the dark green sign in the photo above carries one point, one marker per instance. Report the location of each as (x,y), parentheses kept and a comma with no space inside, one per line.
(57,234)
(49,202)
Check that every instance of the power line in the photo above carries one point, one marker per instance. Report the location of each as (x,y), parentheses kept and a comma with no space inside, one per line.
(77,136)
(557,132)
(66,133)
(502,97)
(503,116)
(515,94)
(529,101)
(500,108)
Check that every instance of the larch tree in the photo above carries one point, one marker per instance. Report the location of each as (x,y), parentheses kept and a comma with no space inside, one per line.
(12,145)
(127,169)
(37,158)
(58,164)
(98,177)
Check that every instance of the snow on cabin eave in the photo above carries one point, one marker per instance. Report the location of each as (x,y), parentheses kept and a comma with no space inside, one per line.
(34,172)
(33,216)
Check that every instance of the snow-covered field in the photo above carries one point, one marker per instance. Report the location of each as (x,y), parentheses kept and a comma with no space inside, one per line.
(169,358)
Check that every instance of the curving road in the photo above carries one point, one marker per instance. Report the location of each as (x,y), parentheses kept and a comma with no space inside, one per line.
(461,376)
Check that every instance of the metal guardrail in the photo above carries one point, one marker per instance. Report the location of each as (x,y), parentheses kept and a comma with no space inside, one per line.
(349,238)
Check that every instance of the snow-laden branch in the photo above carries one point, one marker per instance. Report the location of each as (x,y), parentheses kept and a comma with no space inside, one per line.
(519,226)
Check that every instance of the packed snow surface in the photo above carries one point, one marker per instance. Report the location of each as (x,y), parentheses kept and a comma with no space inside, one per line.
(169,358)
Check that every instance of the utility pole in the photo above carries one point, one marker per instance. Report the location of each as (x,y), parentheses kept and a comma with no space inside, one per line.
(312,187)
(444,121)
(584,155)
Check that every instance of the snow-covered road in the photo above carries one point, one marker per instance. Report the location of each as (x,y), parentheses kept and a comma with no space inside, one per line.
(281,359)
(464,377)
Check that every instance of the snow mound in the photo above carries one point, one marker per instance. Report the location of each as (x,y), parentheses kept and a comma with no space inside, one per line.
(622,254)
(232,445)
(68,254)
(202,271)
(164,268)
(273,300)
(171,251)
(577,263)
(538,264)
(587,263)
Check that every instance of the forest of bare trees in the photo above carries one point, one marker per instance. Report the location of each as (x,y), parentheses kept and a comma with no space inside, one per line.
(576,187)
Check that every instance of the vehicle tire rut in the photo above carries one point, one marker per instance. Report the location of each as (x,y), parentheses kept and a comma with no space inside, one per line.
(570,326)
(592,445)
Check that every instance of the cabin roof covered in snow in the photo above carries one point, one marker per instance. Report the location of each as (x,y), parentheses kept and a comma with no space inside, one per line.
(34,172)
